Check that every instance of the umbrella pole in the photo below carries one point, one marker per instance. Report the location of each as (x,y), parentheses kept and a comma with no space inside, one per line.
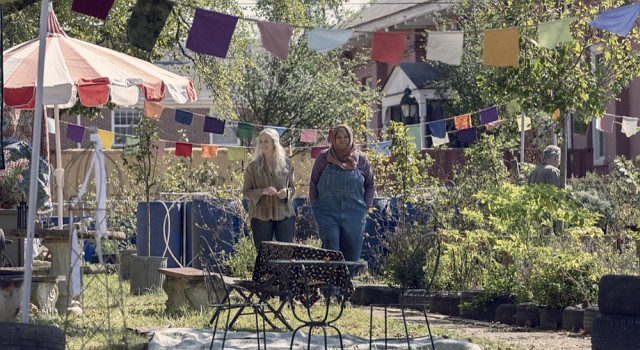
(35,165)
(59,172)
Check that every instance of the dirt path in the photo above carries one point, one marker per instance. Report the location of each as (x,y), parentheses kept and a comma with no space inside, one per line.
(523,338)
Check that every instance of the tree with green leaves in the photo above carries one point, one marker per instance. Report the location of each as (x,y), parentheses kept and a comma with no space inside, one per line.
(578,78)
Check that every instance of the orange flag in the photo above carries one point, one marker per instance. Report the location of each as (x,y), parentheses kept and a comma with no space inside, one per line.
(462,121)
(153,110)
(209,151)
(501,47)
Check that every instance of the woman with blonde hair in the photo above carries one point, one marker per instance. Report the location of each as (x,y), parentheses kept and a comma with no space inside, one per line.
(269,186)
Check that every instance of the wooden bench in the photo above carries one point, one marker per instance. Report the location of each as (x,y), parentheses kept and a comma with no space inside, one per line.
(185,288)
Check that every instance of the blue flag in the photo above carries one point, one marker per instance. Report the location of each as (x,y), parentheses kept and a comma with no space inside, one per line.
(619,20)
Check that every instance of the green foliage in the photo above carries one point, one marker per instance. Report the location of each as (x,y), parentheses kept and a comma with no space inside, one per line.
(243,258)
(565,277)
(405,170)
(593,202)
(410,260)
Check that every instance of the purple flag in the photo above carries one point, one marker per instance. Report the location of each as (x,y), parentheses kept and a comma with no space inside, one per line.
(214,125)
(489,115)
(95,8)
(211,33)
(75,132)
(184,117)
(467,136)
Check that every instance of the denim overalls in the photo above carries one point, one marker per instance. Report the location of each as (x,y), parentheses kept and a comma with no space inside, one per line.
(340,210)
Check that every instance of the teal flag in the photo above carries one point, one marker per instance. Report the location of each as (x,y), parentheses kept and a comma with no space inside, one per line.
(550,34)
(413,131)
(245,130)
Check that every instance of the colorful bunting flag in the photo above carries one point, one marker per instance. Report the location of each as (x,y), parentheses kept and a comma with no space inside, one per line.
(501,47)
(619,20)
(184,117)
(51,125)
(513,107)
(388,47)
(209,151)
(527,123)
(467,136)
(629,126)
(439,134)
(275,38)
(183,149)
(106,138)
(235,153)
(146,22)
(605,124)
(157,148)
(245,130)
(95,8)
(131,144)
(555,114)
(488,115)
(280,130)
(214,125)
(308,135)
(445,47)
(315,151)
(211,33)
(323,40)
(550,34)
(153,110)
(493,125)
(75,132)
(413,132)
(383,147)
(462,121)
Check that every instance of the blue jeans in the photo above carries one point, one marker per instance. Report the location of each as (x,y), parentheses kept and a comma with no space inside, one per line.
(281,230)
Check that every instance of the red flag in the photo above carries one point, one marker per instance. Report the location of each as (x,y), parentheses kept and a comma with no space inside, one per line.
(183,149)
(388,47)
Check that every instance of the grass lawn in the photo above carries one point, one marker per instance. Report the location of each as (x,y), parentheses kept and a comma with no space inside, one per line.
(111,315)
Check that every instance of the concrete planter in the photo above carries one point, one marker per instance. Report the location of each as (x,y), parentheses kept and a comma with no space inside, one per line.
(10,295)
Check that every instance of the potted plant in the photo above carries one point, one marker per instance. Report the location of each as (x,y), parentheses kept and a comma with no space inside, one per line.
(140,160)
(11,178)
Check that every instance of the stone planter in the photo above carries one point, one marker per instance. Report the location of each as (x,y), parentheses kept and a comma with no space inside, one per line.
(528,315)
(573,318)
(10,295)
(144,273)
(446,304)
(376,295)
(506,313)
(590,313)
(550,318)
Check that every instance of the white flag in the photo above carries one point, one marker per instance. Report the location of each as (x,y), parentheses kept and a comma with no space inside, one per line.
(437,141)
(445,47)
(629,126)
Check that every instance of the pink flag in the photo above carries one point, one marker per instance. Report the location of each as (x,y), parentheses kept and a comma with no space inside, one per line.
(275,38)
(157,149)
(153,110)
(308,135)
(388,47)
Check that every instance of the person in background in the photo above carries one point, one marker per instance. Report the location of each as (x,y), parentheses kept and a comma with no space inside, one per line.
(269,186)
(547,172)
(341,190)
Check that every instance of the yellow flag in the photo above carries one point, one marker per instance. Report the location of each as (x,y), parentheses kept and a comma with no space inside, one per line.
(106,138)
(527,123)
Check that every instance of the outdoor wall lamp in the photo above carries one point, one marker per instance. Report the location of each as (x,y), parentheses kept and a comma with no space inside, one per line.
(409,107)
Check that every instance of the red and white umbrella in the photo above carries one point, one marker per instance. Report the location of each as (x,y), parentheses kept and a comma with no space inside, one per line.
(76,69)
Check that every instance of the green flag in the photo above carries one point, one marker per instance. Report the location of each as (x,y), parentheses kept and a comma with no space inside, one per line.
(245,130)
(235,153)
(550,34)
(413,131)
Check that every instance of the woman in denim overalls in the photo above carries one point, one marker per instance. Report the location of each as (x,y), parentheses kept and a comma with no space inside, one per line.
(341,191)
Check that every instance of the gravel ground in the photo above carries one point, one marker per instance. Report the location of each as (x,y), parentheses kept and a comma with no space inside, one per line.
(523,338)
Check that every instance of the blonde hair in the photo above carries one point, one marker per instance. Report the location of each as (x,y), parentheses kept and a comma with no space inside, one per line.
(279,155)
